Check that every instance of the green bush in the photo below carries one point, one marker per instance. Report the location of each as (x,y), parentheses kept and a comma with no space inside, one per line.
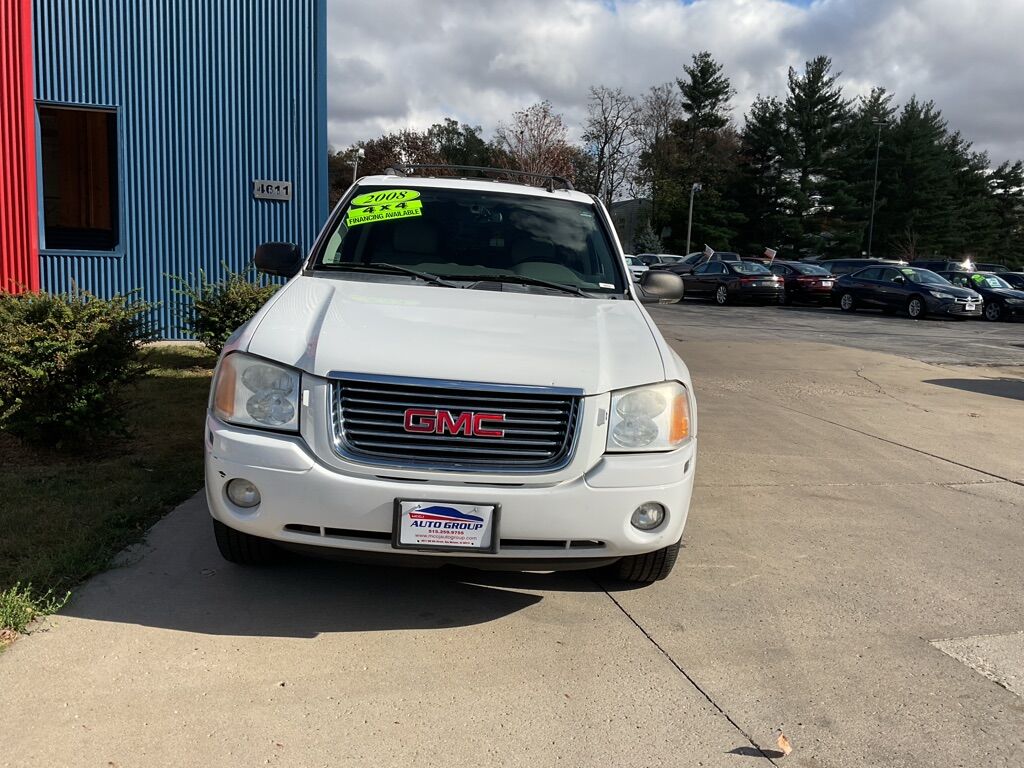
(64,360)
(217,309)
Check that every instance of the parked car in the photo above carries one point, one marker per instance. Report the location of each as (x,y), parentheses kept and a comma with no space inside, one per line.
(730,281)
(918,292)
(1015,279)
(848,266)
(692,260)
(987,266)
(657,260)
(457,372)
(804,281)
(939,265)
(636,267)
(1002,300)
(667,258)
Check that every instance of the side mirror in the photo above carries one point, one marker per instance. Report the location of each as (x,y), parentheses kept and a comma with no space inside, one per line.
(899,279)
(283,259)
(661,286)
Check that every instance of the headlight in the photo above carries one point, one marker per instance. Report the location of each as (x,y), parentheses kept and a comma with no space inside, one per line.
(256,393)
(1015,302)
(651,418)
(942,295)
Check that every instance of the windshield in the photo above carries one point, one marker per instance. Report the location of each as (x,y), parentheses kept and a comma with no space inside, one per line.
(749,268)
(989,281)
(457,233)
(809,269)
(925,276)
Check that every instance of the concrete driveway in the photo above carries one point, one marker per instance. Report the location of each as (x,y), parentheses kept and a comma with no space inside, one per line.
(851,574)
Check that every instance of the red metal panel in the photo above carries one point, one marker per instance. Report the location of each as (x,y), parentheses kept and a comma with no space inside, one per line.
(19,234)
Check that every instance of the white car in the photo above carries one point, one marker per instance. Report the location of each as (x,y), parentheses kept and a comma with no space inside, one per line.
(459,371)
(636,267)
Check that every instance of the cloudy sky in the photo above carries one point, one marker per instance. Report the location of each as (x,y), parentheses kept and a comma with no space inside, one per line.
(402,63)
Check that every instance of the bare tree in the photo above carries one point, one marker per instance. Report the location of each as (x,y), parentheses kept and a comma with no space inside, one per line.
(610,137)
(535,141)
(660,109)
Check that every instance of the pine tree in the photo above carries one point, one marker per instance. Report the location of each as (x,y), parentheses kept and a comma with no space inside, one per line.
(817,119)
(975,224)
(868,134)
(706,152)
(1006,185)
(762,189)
(920,193)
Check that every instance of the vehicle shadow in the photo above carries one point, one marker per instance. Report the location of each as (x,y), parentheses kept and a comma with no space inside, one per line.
(772,754)
(179,581)
(1009,388)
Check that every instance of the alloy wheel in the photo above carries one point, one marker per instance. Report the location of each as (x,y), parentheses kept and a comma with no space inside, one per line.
(993,311)
(846,302)
(915,308)
(722,295)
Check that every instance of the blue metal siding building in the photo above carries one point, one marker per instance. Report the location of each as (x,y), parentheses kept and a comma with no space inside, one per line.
(180,107)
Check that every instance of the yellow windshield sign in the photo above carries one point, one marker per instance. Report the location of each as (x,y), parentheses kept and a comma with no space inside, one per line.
(384,205)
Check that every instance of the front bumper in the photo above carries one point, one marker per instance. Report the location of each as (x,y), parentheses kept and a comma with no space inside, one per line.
(580,519)
(953,308)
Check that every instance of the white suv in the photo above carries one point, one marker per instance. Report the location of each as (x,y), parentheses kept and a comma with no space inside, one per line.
(460,371)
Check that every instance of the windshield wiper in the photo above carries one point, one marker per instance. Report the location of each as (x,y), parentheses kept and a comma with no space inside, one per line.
(521,280)
(381,267)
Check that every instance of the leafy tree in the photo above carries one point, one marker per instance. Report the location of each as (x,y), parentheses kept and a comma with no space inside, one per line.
(459,144)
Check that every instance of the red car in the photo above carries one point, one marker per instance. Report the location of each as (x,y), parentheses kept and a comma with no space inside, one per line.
(805,282)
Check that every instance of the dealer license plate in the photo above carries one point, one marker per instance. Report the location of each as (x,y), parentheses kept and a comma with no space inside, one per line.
(445,526)
(969,307)
(826,283)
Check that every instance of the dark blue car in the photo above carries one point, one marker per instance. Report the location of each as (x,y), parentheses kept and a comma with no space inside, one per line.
(917,292)
(1002,300)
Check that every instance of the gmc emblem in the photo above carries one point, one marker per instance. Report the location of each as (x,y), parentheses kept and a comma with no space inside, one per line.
(466,423)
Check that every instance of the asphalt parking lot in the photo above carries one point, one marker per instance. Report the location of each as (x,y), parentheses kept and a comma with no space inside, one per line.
(931,340)
(851,574)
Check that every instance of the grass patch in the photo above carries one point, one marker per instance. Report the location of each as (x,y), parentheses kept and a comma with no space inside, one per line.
(20,605)
(62,517)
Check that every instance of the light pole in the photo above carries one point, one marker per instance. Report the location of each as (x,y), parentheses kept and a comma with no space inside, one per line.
(360,154)
(874,186)
(689,222)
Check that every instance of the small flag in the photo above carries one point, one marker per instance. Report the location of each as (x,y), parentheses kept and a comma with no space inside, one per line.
(708,250)
(770,253)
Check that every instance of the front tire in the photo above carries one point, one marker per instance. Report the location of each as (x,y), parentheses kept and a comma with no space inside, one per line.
(722,296)
(847,302)
(648,567)
(915,308)
(994,311)
(243,548)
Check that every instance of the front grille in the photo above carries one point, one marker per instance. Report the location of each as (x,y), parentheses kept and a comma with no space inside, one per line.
(368,419)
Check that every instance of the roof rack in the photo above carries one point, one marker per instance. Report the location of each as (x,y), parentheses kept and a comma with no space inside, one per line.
(408,170)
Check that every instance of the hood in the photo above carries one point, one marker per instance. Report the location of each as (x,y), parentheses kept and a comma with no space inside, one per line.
(953,290)
(1007,293)
(405,329)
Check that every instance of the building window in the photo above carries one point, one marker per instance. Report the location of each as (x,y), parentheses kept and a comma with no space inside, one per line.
(79,153)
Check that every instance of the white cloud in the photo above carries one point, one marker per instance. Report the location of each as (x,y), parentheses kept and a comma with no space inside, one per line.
(395,63)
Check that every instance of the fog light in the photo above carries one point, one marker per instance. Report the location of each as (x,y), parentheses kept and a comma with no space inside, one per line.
(244,494)
(648,516)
